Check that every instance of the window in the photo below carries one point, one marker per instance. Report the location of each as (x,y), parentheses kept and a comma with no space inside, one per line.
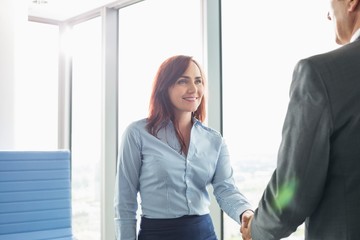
(259,52)
(260,45)
(36,85)
(146,41)
(86,129)
(147,37)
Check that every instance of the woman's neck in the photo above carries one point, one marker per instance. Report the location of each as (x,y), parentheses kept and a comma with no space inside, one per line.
(184,126)
(183,120)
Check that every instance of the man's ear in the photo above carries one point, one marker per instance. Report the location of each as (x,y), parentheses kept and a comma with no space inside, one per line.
(353,5)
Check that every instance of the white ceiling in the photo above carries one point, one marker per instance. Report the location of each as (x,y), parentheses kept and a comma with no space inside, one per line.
(63,9)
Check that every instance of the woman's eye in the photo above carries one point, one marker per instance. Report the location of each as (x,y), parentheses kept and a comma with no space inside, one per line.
(181,81)
(198,81)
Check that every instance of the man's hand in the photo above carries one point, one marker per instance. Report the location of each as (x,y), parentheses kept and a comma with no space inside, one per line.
(245,228)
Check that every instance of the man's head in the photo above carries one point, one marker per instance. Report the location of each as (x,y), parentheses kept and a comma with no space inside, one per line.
(345,15)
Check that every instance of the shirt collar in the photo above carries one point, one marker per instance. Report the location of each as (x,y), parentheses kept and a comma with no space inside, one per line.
(355,36)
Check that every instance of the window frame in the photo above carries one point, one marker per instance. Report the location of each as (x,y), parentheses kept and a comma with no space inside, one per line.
(109,14)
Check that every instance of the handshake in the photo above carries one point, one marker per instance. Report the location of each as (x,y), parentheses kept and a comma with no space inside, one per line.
(245,228)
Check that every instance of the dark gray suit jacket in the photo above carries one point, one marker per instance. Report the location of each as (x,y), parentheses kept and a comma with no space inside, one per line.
(317,179)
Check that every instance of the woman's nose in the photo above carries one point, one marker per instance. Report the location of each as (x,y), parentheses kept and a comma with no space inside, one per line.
(192,87)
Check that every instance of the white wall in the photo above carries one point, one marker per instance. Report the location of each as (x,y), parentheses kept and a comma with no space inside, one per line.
(13,17)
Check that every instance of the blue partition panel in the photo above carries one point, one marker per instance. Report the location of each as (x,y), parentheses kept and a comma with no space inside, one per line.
(35,195)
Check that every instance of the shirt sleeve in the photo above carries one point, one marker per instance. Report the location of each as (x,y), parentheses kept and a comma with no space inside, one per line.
(127,185)
(297,184)
(228,196)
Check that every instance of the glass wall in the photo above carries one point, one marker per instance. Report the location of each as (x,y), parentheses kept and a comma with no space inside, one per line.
(86,129)
(260,45)
(147,37)
(145,40)
(259,51)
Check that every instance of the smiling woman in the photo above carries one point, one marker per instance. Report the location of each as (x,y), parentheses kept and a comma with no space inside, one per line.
(170,159)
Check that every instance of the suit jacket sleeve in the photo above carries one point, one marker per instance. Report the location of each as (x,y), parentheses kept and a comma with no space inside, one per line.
(296,185)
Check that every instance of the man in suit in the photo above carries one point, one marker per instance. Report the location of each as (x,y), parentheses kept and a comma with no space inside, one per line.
(317,179)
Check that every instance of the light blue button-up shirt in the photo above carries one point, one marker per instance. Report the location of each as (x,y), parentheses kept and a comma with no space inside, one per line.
(172,184)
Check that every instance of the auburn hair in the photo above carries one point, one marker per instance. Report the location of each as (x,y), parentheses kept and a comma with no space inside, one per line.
(161,110)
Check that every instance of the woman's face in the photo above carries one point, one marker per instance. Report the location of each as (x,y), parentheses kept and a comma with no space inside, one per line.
(187,92)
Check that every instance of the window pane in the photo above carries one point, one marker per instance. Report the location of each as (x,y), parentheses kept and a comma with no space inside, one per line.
(36,99)
(148,40)
(259,53)
(150,32)
(85,132)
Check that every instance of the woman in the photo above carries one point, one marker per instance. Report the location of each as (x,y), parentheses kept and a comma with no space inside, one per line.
(170,158)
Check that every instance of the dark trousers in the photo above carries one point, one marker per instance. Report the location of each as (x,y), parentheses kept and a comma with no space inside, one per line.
(184,228)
